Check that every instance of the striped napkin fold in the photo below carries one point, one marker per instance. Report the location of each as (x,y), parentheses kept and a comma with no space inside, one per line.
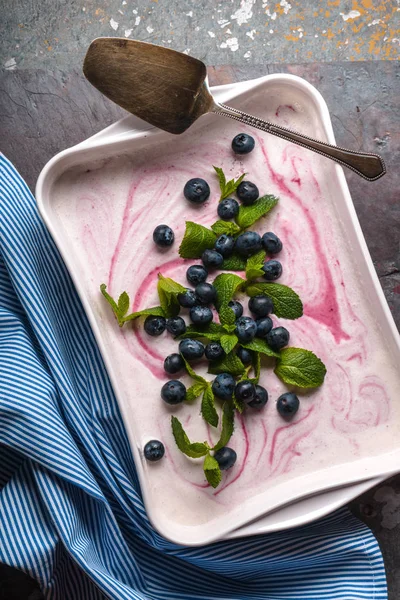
(71,513)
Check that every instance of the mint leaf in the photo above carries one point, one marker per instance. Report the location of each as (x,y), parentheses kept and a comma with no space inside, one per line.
(227,364)
(250,214)
(228,417)
(227,227)
(212,471)
(254,264)
(168,291)
(228,342)
(287,303)
(208,411)
(155,311)
(212,332)
(234,263)
(256,367)
(227,187)
(259,345)
(194,391)
(300,367)
(196,239)
(119,309)
(195,449)
(226,285)
(227,317)
(193,373)
(238,404)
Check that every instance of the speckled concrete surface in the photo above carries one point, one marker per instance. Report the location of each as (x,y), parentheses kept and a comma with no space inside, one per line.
(46,106)
(44,33)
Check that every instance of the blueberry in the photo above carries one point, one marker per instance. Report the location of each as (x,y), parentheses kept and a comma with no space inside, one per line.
(212,259)
(196,190)
(187,299)
(261,398)
(201,315)
(176,326)
(223,386)
(242,143)
(247,192)
(246,356)
(173,392)
(154,450)
(271,243)
(248,243)
(272,270)
(214,351)
(154,325)
(196,274)
(163,236)
(173,364)
(236,307)
(206,293)
(191,349)
(228,209)
(225,457)
(261,305)
(278,338)
(225,245)
(288,404)
(264,326)
(246,329)
(245,391)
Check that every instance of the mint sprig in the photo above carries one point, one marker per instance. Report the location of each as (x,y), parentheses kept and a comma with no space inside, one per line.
(208,411)
(259,345)
(192,449)
(228,342)
(300,367)
(248,215)
(287,304)
(254,265)
(120,308)
(155,311)
(227,426)
(227,187)
(225,227)
(256,367)
(212,332)
(168,291)
(196,239)
(227,364)
(194,391)
(226,285)
(212,471)
(234,263)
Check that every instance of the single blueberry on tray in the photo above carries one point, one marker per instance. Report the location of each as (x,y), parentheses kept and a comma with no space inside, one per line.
(248,243)
(201,315)
(163,236)
(243,143)
(214,351)
(278,338)
(212,259)
(187,299)
(264,326)
(246,329)
(176,326)
(223,386)
(245,391)
(261,305)
(272,270)
(225,457)
(261,398)
(155,325)
(236,307)
(288,404)
(173,364)
(196,190)
(173,392)
(154,450)
(228,209)
(196,274)
(191,349)
(271,243)
(246,356)
(225,245)
(247,192)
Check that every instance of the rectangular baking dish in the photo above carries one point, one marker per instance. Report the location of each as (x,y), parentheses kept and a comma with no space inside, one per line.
(299,495)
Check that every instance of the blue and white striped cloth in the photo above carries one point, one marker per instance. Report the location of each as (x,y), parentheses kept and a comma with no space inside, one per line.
(71,513)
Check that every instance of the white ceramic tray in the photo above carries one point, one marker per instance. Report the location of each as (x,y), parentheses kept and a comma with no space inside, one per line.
(303,496)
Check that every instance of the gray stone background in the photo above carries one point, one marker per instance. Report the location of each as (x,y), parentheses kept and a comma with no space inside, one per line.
(348,49)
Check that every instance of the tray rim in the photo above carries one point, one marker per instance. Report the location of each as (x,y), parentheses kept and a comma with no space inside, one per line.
(128,128)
